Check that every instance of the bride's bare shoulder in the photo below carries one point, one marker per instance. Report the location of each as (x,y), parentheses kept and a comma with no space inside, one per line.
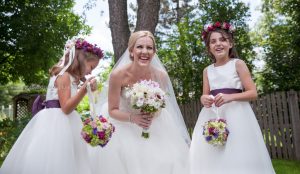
(120,72)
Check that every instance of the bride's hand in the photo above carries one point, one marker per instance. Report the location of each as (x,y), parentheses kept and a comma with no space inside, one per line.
(143,120)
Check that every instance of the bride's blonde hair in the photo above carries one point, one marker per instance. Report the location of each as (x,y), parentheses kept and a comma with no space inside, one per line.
(139,34)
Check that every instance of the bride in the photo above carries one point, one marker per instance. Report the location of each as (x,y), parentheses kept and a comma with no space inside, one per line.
(166,150)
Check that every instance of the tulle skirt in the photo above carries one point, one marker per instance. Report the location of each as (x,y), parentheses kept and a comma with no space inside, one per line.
(164,152)
(245,151)
(49,144)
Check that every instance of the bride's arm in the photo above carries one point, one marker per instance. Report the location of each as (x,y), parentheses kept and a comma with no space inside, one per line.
(114,95)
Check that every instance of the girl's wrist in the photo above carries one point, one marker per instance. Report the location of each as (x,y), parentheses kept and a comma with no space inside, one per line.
(83,88)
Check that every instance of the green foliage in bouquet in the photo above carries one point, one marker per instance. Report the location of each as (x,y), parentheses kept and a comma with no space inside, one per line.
(148,108)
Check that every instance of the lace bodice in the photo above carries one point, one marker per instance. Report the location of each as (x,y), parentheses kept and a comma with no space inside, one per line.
(52,90)
(224,76)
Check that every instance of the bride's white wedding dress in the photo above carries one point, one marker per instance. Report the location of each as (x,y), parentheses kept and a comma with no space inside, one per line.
(164,152)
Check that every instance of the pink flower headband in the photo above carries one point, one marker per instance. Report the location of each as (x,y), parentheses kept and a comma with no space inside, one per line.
(218,25)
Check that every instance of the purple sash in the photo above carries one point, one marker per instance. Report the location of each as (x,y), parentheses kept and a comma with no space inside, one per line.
(225,91)
(39,104)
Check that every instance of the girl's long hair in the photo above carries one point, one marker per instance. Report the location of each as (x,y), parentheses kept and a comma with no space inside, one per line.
(77,67)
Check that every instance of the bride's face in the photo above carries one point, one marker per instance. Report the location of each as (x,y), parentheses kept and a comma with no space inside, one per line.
(143,51)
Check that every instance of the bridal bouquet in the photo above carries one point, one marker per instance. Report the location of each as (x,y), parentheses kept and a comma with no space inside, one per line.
(147,97)
(215,131)
(97,131)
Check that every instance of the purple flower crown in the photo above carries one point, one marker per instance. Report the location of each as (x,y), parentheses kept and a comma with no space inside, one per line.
(218,25)
(80,43)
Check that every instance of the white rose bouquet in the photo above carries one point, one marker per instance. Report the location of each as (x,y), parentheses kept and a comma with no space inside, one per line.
(147,97)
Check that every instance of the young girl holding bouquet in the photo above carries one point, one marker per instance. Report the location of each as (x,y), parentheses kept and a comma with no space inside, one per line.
(227,88)
(51,142)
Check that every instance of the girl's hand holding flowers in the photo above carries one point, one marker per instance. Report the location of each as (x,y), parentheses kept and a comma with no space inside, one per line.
(221,99)
(92,82)
(207,100)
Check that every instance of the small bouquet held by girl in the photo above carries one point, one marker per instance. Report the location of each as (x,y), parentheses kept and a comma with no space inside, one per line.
(215,131)
(147,97)
(96,130)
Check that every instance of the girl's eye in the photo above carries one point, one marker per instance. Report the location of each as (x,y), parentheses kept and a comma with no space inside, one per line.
(223,39)
(149,48)
(139,46)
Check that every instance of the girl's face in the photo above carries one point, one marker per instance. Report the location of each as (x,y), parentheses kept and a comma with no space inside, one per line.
(219,46)
(90,65)
(143,51)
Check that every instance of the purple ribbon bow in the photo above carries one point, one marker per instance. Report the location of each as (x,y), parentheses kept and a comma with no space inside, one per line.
(40,104)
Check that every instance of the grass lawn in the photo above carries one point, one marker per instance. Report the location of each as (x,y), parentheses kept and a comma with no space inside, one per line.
(286,166)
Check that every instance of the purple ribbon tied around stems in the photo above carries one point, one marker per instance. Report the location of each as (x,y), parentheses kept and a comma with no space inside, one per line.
(40,104)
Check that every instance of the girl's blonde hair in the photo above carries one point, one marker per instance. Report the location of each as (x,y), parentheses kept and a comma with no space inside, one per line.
(78,65)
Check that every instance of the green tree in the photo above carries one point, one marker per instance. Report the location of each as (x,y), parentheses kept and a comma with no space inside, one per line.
(32,36)
(279,36)
(184,53)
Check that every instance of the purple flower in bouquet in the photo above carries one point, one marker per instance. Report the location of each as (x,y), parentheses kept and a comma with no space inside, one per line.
(101,135)
(86,137)
(97,131)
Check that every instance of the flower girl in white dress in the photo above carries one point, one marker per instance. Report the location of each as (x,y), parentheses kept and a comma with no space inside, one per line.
(51,142)
(228,80)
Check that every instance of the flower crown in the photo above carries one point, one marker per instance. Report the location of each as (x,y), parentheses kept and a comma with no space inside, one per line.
(218,25)
(80,43)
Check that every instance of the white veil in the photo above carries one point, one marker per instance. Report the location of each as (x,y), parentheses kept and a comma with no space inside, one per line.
(163,79)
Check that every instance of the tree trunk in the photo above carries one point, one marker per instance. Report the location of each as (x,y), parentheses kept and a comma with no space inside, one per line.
(147,15)
(118,23)
(147,19)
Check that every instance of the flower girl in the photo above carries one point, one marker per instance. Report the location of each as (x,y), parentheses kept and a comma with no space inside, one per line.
(232,144)
(51,142)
